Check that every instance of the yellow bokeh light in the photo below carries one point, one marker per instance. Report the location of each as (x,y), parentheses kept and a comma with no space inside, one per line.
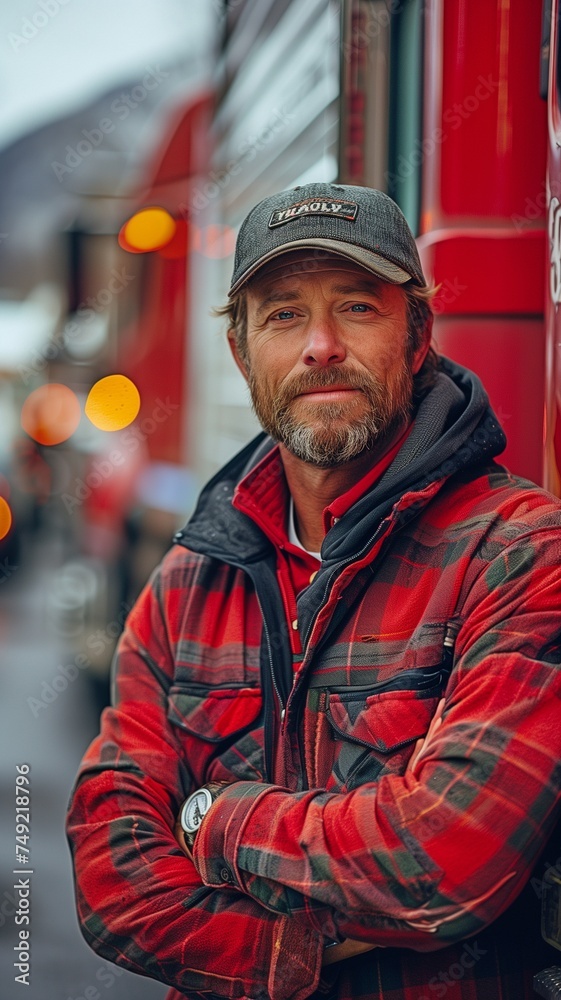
(113,403)
(50,414)
(149,229)
(5,518)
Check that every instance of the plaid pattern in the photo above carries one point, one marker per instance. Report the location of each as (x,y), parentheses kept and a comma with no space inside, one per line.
(328,836)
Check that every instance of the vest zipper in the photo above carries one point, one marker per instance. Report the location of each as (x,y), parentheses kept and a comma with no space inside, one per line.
(338,572)
(267,727)
(328,588)
(448,645)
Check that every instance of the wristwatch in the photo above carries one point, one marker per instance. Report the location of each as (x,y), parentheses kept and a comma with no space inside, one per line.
(195,808)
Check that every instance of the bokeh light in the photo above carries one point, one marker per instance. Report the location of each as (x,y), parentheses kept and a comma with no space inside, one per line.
(50,413)
(112,403)
(5,518)
(214,241)
(149,229)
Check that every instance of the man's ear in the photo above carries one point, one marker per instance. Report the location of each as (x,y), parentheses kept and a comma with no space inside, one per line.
(422,351)
(235,353)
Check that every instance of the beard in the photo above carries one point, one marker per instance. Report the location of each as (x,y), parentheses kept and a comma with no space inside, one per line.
(333,433)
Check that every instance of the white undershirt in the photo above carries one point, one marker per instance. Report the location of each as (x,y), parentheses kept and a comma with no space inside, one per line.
(293,537)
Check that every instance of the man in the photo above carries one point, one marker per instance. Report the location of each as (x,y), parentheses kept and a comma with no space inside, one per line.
(340,691)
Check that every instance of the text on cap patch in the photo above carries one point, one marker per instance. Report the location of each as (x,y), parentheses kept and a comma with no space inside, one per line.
(344,209)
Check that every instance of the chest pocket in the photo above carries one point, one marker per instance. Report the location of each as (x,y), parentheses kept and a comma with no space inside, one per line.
(221,730)
(375,727)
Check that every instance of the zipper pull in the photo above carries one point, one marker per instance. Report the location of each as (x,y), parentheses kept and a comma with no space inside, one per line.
(449,642)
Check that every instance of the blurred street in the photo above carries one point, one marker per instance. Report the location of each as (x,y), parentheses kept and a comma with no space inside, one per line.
(49,736)
(81,525)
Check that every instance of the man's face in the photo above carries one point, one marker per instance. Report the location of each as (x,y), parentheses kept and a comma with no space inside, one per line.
(327,362)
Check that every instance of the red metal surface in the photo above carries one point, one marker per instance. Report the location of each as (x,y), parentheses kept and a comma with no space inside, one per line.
(484,202)
(184,150)
(154,355)
(483,113)
(487,271)
(154,352)
(509,367)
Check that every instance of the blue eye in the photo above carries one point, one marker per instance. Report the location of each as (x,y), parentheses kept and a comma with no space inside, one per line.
(359,307)
(285,314)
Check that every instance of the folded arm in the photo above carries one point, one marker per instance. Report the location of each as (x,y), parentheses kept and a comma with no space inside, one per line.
(141,903)
(432,856)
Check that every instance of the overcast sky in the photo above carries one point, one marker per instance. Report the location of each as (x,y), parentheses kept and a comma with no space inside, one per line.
(57,55)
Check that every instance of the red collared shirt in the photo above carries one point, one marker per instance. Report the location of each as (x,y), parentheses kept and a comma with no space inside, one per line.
(296,567)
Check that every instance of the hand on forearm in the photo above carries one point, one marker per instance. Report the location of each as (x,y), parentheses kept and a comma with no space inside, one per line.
(346,949)
(178,834)
(335,953)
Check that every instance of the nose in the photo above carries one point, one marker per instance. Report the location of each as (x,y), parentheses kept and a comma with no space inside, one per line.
(323,345)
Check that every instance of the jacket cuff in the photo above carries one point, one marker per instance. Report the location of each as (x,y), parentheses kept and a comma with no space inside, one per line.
(216,844)
(297,951)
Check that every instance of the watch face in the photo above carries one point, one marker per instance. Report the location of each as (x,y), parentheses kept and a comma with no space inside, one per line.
(194,809)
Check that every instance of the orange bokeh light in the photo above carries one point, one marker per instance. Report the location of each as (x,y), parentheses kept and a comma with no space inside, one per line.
(50,414)
(5,518)
(149,229)
(214,241)
(113,403)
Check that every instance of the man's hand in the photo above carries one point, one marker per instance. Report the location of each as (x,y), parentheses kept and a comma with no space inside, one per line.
(347,949)
(350,948)
(178,834)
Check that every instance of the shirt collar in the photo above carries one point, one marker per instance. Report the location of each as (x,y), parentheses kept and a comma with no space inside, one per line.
(264,496)
(343,503)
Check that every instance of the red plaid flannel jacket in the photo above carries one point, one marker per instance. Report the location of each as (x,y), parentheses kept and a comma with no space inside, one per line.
(452,587)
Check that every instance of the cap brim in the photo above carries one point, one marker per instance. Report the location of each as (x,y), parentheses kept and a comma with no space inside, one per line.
(372,262)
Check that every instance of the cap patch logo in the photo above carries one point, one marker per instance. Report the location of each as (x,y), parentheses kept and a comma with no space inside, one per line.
(343,209)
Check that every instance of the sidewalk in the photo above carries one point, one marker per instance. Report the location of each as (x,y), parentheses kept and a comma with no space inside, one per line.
(51,740)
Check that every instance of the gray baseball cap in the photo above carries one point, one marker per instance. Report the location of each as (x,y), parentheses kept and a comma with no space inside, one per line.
(359,223)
